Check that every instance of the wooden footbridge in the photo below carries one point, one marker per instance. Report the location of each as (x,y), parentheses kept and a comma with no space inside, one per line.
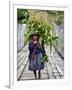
(54,68)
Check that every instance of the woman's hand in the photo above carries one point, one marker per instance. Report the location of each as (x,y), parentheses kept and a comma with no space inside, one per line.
(35,42)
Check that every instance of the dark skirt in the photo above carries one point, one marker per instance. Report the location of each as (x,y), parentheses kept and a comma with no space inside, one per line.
(36,64)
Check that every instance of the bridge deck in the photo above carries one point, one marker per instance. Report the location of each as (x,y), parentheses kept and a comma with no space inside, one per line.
(54,68)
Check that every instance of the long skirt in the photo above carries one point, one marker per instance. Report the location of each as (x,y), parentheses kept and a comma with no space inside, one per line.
(36,64)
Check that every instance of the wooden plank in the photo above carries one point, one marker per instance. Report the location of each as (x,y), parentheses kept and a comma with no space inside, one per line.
(50,71)
(20,70)
(20,62)
(53,69)
(55,64)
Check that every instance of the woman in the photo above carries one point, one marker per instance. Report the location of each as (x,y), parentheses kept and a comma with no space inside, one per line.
(35,55)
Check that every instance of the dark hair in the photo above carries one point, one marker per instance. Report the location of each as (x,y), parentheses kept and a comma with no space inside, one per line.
(37,37)
(34,34)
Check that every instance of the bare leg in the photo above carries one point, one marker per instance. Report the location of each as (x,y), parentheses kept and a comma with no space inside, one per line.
(35,74)
(39,74)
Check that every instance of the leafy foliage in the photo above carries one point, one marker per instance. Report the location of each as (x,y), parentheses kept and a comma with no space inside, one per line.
(41,22)
(44,59)
(38,23)
(56,16)
(22,16)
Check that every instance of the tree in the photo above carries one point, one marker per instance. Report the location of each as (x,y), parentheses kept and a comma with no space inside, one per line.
(22,16)
(56,16)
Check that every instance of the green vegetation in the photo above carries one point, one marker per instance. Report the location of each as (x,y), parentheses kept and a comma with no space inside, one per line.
(41,21)
(22,16)
(44,59)
(56,16)
(38,22)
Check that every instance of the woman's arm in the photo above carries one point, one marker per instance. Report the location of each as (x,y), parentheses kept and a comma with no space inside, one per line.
(31,46)
(39,45)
